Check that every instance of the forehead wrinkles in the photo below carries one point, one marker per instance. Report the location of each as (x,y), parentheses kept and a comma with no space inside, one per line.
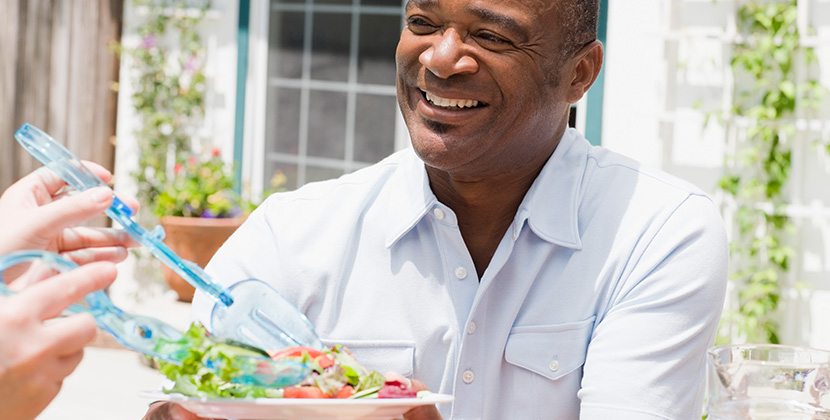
(533,5)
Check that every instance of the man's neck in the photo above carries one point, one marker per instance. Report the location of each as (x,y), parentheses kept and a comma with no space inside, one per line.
(485,207)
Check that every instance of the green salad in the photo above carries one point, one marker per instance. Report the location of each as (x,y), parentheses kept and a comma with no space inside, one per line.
(209,366)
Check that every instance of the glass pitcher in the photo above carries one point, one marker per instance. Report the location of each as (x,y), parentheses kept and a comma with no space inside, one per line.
(760,382)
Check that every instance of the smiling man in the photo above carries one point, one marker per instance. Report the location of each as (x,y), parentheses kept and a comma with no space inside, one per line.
(501,259)
(485,89)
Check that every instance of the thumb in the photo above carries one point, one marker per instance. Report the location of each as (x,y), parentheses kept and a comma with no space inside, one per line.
(73,209)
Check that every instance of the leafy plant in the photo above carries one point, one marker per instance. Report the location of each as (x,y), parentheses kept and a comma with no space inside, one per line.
(169,81)
(204,188)
(769,98)
(199,189)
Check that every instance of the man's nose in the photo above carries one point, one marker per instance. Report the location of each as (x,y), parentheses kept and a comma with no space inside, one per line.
(448,56)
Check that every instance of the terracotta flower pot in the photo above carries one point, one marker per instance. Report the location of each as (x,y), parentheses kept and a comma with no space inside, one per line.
(195,239)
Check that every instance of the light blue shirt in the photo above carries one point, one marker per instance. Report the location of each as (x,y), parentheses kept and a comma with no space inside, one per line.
(599,303)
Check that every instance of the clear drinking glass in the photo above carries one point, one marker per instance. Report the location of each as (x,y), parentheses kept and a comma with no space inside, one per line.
(759,382)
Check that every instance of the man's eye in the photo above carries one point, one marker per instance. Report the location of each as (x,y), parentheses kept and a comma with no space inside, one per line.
(419,25)
(492,39)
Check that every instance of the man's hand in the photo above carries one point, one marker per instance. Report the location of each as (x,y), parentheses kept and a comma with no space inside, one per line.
(169,411)
(35,356)
(425,412)
(34,214)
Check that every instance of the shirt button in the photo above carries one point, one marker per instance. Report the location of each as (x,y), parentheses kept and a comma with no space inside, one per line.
(554,365)
(439,214)
(461,272)
(468,376)
(471,328)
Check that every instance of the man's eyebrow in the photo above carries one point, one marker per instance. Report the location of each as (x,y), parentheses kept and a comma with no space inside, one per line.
(504,21)
(508,23)
(423,4)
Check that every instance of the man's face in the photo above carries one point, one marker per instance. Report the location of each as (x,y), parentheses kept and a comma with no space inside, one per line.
(482,85)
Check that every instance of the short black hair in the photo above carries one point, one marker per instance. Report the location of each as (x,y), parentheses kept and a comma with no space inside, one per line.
(580,19)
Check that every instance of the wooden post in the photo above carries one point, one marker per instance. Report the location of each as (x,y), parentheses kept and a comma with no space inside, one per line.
(57,72)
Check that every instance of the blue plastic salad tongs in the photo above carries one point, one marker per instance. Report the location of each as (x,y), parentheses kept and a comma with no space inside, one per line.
(155,338)
(249,311)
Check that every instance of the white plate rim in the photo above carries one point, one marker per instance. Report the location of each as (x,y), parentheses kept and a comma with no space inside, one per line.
(428,399)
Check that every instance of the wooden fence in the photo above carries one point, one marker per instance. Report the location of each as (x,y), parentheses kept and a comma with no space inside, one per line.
(57,72)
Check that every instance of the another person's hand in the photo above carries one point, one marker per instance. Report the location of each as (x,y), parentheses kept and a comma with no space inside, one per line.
(34,214)
(35,355)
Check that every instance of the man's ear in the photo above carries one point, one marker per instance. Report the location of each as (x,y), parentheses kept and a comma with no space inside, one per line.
(586,66)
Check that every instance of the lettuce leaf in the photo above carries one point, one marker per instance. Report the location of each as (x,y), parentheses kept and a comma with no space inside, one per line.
(193,378)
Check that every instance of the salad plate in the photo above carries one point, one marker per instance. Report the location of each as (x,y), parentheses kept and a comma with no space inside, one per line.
(298,408)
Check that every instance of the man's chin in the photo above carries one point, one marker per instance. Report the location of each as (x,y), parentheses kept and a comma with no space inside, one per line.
(437,127)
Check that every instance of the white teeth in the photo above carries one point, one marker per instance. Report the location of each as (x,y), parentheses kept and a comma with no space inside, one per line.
(450,103)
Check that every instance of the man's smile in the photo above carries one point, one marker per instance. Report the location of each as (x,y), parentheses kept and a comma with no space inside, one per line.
(448,107)
(448,103)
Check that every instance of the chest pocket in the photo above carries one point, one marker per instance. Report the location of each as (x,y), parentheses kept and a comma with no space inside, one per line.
(381,355)
(552,351)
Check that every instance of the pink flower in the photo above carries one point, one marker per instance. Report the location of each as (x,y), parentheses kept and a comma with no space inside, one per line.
(178,168)
(192,161)
(148,42)
(191,64)
(215,152)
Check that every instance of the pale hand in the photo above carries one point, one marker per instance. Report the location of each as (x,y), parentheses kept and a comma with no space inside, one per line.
(35,356)
(34,214)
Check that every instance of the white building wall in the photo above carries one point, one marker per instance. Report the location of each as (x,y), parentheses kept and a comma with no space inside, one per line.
(667,66)
(219,32)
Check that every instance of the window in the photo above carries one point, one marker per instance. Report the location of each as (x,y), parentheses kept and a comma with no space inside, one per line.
(320,98)
(329,102)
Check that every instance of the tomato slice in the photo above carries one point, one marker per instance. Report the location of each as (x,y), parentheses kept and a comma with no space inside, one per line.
(303,392)
(296,352)
(345,392)
(324,361)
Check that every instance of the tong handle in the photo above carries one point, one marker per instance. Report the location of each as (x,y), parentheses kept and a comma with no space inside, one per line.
(61,161)
(53,261)
(136,332)
(153,241)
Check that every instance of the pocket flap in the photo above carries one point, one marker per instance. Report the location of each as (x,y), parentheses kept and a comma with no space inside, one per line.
(552,351)
(381,355)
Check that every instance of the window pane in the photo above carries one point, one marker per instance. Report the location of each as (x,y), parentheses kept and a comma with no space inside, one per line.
(330,46)
(282,124)
(290,1)
(285,46)
(314,173)
(327,124)
(288,169)
(376,56)
(374,127)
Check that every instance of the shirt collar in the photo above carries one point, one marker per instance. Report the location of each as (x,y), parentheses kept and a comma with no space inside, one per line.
(550,206)
(410,196)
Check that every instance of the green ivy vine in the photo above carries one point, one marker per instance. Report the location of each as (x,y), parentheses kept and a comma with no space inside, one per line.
(169,88)
(769,98)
